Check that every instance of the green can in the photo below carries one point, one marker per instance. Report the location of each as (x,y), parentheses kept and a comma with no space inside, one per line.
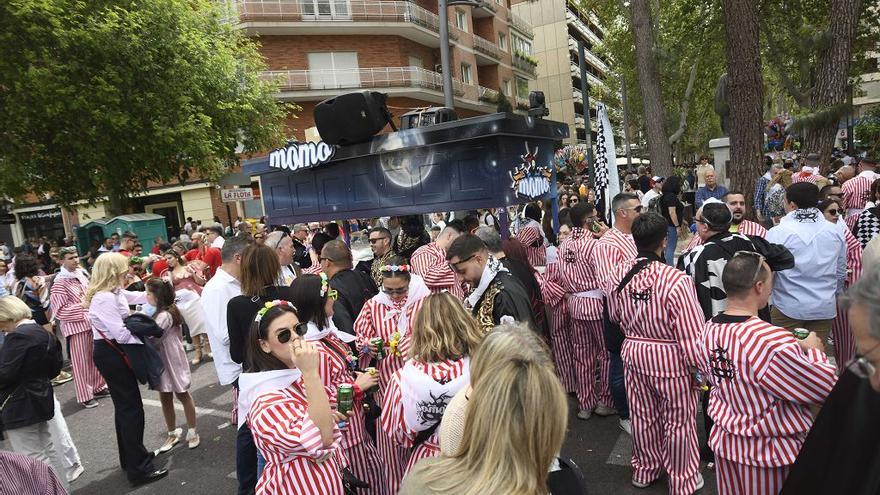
(344,398)
(800,333)
(380,347)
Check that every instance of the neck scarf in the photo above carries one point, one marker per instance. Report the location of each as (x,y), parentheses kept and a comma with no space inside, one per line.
(493,266)
(313,333)
(78,274)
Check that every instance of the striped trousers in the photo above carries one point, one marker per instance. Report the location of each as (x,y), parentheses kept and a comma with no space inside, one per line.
(393,459)
(844,345)
(740,479)
(663,412)
(560,341)
(590,359)
(363,460)
(86,376)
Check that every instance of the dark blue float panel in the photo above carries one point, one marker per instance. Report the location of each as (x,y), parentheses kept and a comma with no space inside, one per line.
(458,165)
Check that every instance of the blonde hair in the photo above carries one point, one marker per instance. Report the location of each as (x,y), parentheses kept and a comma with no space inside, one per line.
(515,422)
(13,309)
(784,178)
(443,329)
(105,275)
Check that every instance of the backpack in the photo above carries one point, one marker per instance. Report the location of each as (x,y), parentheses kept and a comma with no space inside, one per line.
(775,202)
(654,204)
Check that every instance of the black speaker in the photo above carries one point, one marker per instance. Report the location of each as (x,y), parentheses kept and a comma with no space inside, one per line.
(423,117)
(352,118)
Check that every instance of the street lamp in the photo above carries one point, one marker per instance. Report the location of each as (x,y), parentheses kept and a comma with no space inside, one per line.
(448,100)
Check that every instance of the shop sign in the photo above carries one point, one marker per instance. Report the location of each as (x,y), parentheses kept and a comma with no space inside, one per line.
(233,195)
(40,215)
(298,156)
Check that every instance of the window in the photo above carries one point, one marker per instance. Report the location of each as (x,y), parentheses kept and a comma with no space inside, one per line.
(507,88)
(325,9)
(522,88)
(461,20)
(521,44)
(502,41)
(333,70)
(416,62)
(466,73)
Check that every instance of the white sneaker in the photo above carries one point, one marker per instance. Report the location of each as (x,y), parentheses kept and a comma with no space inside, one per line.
(700,483)
(626,426)
(188,347)
(603,410)
(584,414)
(76,473)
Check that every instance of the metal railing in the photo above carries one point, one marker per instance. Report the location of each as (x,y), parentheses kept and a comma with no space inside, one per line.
(487,94)
(593,80)
(581,27)
(597,62)
(337,11)
(520,24)
(524,65)
(374,77)
(486,5)
(486,47)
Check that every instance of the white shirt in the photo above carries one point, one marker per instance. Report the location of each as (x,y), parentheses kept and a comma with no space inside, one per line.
(218,242)
(215,296)
(646,199)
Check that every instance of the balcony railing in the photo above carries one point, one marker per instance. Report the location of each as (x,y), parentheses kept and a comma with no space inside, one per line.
(487,95)
(593,80)
(338,11)
(596,61)
(520,24)
(573,19)
(361,78)
(486,47)
(524,65)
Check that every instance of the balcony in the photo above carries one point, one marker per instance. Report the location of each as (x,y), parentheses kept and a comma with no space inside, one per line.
(485,8)
(525,63)
(577,96)
(591,58)
(341,17)
(486,52)
(411,82)
(572,19)
(520,25)
(591,79)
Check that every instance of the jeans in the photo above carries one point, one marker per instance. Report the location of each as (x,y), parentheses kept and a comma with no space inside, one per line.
(261,464)
(618,389)
(245,461)
(671,242)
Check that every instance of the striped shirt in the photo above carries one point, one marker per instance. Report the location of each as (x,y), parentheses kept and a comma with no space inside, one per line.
(857,191)
(23,475)
(393,423)
(66,299)
(297,463)
(533,239)
(429,262)
(853,257)
(578,276)
(614,248)
(806,177)
(763,383)
(659,313)
(746,227)
(335,371)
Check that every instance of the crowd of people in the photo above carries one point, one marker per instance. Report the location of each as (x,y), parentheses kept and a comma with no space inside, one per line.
(442,363)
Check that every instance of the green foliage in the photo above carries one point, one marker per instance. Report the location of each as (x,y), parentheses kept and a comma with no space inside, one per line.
(503,102)
(867,131)
(100,97)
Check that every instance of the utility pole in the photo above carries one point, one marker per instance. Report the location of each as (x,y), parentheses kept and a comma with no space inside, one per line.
(448,100)
(585,90)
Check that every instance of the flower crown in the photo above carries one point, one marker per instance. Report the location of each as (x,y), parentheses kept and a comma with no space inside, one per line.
(325,284)
(394,268)
(272,304)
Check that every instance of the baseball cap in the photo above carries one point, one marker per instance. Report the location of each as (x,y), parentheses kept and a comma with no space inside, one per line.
(658,178)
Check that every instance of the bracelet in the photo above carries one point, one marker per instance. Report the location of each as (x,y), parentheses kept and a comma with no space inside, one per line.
(358,393)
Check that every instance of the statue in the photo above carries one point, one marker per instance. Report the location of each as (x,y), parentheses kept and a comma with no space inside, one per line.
(722,108)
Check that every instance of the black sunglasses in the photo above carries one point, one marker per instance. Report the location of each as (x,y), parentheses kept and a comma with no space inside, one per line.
(286,333)
(833,211)
(374,240)
(454,266)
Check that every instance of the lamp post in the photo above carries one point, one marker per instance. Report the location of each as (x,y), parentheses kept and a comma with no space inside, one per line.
(445,62)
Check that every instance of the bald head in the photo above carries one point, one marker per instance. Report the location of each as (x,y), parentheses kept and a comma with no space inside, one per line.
(337,253)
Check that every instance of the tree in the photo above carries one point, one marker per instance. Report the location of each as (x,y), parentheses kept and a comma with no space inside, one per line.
(649,85)
(101,98)
(745,93)
(868,131)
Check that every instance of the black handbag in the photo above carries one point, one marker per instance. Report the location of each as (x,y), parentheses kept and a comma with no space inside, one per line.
(568,480)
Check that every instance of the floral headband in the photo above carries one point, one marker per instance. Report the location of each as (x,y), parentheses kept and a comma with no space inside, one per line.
(394,268)
(325,287)
(272,304)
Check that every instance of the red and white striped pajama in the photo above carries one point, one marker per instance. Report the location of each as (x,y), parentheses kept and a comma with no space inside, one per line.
(66,300)
(584,301)
(429,262)
(844,345)
(857,192)
(763,383)
(560,326)
(533,239)
(659,313)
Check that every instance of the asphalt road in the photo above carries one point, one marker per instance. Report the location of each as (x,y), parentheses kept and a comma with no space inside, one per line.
(597,445)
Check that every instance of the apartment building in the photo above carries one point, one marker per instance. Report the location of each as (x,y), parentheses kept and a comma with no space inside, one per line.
(318,49)
(558,26)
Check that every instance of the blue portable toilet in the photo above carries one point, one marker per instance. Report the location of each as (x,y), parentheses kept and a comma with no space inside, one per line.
(147,226)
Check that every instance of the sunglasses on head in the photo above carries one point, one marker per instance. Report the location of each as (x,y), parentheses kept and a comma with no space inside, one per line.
(285,334)
(455,266)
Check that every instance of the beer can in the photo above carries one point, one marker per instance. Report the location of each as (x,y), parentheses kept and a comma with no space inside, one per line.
(801,333)
(344,398)
(380,347)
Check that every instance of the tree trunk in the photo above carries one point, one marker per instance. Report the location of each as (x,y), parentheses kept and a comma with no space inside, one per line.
(659,150)
(829,91)
(683,109)
(115,204)
(745,93)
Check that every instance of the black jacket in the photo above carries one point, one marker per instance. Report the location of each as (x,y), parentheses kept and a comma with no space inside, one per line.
(354,288)
(30,357)
(146,363)
(240,314)
(511,300)
(526,277)
(301,254)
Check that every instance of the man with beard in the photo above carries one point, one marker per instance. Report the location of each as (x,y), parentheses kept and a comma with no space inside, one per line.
(380,245)
(736,202)
(498,297)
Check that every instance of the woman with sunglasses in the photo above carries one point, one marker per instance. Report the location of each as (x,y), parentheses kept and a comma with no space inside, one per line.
(259,274)
(444,335)
(314,300)
(284,401)
(844,348)
(388,316)
(840,454)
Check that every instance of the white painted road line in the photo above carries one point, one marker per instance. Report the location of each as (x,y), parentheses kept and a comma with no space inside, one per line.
(200,411)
